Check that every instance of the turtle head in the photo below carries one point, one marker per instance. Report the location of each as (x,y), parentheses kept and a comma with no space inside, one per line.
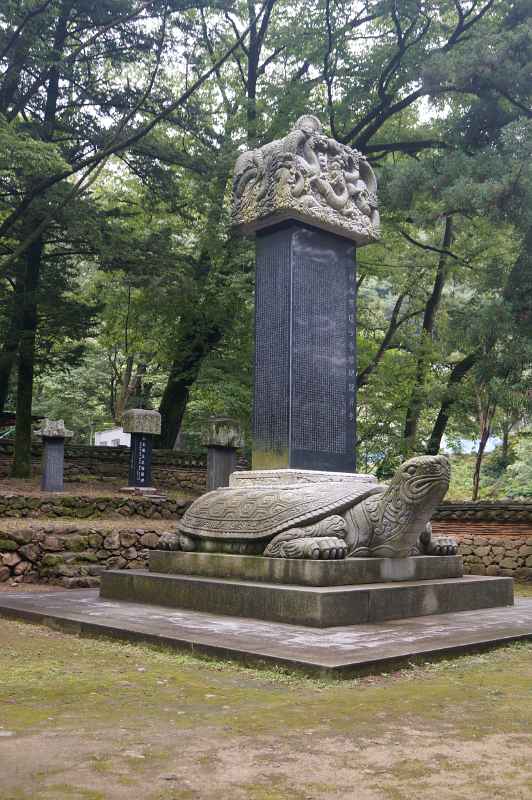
(422,481)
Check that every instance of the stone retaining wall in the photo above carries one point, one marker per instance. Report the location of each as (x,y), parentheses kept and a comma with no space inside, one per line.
(510,556)
(87,507)
(73,557)
(486,511)
(170,470)
(494,538)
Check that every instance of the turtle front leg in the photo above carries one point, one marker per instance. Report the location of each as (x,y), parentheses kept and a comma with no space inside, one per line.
(429,545)
(322,540)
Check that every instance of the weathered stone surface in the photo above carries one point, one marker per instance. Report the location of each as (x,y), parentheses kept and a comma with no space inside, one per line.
(5,573)
(150,540)
(312,520)
(78,542)
(22,567)
(54,429)
(305,572)
(306,176)
(140,420)
(7,544)
(117,562)
(30,551)
(128,538)
(20,536)
(51,560)
(312,606)
(11,559)
(339,652)
(52,543)
(112,541)
(223,432)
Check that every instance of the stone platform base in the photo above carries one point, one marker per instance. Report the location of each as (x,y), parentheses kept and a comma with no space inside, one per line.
(315,606)
(335,651)
(306,572)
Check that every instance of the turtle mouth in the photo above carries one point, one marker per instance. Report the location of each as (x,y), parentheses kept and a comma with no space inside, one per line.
(427,483)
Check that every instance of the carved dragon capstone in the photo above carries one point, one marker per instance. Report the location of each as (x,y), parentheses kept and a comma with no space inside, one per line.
(355,518)
(309,177)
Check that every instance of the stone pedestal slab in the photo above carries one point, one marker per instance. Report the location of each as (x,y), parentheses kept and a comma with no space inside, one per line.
(306,572)
(320,607)
(317,651)
(294,477)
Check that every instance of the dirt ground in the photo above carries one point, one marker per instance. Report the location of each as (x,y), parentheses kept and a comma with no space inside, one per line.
(31,487)
(100,720)
(88,488)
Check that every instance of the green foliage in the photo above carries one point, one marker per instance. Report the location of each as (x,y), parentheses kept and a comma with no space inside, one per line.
(517,479)
(146,296)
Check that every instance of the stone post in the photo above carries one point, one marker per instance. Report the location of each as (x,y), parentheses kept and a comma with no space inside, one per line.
(143,425)
(312,203)
(53,433)
(222,440)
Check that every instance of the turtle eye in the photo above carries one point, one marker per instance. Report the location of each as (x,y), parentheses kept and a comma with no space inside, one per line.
(411,470)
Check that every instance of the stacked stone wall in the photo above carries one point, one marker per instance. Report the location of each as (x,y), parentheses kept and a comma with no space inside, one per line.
(74,556)
(170,469)
(494,538)
(88,507)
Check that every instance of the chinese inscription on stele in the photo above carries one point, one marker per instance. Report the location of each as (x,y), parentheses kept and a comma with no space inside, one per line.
(307,176)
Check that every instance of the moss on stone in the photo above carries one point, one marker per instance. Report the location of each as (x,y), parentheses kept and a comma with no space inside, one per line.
(7,545)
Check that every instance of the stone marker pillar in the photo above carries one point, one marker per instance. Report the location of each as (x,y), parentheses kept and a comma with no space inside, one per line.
(53,434)
(143,425)
(311,202)
(222,440)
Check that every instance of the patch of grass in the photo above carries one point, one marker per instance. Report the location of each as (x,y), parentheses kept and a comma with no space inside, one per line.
(523,589)
(49,677)
(136,709)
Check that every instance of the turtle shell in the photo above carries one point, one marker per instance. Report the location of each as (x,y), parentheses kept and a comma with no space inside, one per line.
(260,513)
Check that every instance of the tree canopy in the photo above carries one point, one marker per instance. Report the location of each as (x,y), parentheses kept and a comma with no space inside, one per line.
(120,122)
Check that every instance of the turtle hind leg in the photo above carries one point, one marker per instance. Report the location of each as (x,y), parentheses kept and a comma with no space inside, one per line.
(323,540)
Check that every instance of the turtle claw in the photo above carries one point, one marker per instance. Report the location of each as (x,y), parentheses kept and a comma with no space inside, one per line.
(442,546)
(325,548)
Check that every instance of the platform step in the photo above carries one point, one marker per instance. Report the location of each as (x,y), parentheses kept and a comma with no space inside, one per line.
(320,607)
(306,572)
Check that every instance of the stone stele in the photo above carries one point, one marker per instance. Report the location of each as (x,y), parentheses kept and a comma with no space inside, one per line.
(54,429)
(306,176)
(324,519)
(140,420)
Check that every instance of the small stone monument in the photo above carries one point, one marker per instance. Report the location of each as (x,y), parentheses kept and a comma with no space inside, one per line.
(311,202)
(222,439)
(53,434)
(143,425)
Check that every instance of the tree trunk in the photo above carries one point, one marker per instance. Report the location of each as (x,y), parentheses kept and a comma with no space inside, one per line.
(33,257)
(26,360)
(486,413)
(8,354)
(459,372)
(415,405)
(185,370)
